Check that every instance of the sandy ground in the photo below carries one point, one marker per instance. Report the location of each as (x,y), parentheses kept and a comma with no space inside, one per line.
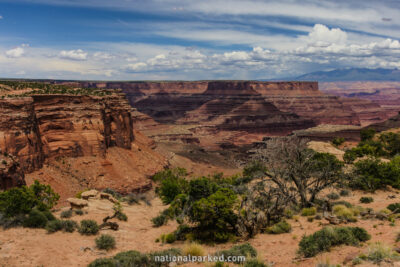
(29,247)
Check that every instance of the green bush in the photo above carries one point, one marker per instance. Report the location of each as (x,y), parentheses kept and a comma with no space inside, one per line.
(366,200)
(88,227)
(344,193)
(66,214)
(372,174)
(105,242)
(134,258)
(21,200)
(337,141)
(35,219)
(54,226)
(49,215)
(308,211)
(394,207)
(79,212)
(171,187)
(122,216)
(367,134)
(333,196)
(159,220)
(214,215)
(131,258)
(239,250)
(69,225)
(328,237)
(279,228)
(202,188)
(170,238)
(104,262)
(254,263)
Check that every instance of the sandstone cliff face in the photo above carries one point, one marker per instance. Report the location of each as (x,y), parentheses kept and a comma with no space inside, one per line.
(42,127)
(11,174)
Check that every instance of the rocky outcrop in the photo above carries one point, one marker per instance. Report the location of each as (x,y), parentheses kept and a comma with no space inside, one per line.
(11,174)
(42,127)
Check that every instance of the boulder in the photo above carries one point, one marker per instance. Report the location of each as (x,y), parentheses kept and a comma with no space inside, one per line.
(77,203)
(89,193)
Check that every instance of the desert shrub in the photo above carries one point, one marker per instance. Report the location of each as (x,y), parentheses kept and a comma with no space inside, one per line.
(49,215)
(337,141)
(105,242)
(379,252)
(394,207)
(79,212)
(69,225)
(391,143)
(371,174)
(328,237)
(104,262)
(168,238)
(255,263)
(182,232)
(170,187)
(169,173)
(367,134)
(66,214)
(54,226)
(159,220)
(366,200)
(344,213)
(21,200)
(193,249)
(239,250)
(214,215)
(350,156)
(88,227)
(35,219)
(122,216)
(333,196)
(344,203)
(202,188)
(308,211)
(279,228)
(344,193)
(131,258)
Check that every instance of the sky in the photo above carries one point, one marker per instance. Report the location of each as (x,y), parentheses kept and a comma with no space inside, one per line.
(194,39)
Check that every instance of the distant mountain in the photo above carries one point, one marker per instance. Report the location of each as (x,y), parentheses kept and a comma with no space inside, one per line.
(353,74)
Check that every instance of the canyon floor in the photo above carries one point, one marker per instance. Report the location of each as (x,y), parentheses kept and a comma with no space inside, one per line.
(29,247)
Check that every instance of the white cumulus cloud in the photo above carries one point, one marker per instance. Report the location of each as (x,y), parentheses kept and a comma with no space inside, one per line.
(78,54)
(16,52)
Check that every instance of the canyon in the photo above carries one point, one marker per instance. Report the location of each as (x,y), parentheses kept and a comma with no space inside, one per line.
(219,114)
(81,140)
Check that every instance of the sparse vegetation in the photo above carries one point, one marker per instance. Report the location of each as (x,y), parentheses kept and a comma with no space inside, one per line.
(308,211)
(135,258)
(366,200)
(337,141)
(394,207)
(279,228)
(328,237)
(66,214)
(105,242)
(88,227)
(333,196)
(193,249)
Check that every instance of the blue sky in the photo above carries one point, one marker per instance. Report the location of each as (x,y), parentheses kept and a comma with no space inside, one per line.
(191,40)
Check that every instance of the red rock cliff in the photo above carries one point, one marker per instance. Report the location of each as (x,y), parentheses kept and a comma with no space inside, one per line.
(48,126)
